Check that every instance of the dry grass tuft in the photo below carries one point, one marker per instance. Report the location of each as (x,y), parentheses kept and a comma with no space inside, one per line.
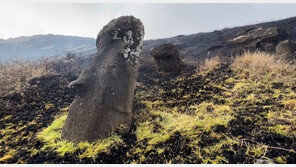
(14,75)
(290,104)
(210,64)
(263,66)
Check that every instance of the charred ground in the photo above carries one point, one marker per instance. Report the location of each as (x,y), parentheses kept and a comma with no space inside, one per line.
(223,110)
(213,115)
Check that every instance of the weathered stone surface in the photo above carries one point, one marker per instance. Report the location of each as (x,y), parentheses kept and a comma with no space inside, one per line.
(286,49)
(105,90)
(167,57)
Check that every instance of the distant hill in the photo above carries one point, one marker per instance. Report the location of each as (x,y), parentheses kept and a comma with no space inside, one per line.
(193,47)
(38,46)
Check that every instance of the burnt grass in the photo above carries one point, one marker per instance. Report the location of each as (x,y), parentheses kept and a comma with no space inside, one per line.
(28,114)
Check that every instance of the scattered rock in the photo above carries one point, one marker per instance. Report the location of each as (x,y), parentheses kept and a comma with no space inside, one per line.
(286,49)
(167,57)
(70,56)
(264,39)
(106,88)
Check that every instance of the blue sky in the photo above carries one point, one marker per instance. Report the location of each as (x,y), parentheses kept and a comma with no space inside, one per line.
(160,20)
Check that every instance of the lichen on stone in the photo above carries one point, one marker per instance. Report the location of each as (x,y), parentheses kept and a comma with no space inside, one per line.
(128,39)
(132,55)
(115,36)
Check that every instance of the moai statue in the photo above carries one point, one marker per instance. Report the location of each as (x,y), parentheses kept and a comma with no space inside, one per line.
(105,89)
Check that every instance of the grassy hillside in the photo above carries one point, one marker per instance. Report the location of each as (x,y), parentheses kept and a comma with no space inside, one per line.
(41,46)
(237,111)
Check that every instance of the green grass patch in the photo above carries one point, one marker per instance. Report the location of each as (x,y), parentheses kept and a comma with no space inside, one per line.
(51,136)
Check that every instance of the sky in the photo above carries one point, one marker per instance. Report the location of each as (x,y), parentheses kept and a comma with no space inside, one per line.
(160,20)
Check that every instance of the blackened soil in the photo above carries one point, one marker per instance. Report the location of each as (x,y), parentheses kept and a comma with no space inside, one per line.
(28,110)
(29,113)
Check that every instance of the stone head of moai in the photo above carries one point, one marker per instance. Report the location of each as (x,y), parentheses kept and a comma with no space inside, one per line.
(167,58)
(105,89)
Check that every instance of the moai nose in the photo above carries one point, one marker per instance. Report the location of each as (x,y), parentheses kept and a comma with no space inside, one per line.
(77,86)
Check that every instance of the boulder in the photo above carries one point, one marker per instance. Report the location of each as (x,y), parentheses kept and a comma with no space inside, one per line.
(286,49)
(105,89)
(70,56)
(166,57)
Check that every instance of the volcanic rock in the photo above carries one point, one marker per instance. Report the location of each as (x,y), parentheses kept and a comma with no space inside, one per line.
(286,49)
(167,57)
(105,89)
(264,39)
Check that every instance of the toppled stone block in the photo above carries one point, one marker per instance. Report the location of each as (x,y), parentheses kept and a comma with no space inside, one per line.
(167,58)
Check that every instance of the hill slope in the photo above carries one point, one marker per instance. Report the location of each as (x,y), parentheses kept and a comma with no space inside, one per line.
(192,47)
(201,45)
(38,46)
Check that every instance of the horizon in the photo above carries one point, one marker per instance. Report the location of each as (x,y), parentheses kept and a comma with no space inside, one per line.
(73,19)
(44,35)
(145,39)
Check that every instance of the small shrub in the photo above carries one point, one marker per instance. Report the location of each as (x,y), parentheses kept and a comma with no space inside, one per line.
(260,66)
(210,64)
(14,75)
